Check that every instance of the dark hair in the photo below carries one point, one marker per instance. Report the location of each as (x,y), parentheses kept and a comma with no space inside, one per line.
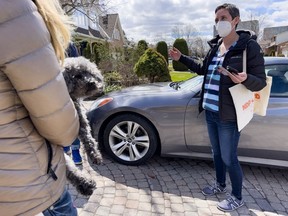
(232,9)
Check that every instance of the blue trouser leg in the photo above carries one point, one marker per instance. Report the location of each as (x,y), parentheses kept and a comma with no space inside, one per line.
(76,144)
(62,207)
(224,138)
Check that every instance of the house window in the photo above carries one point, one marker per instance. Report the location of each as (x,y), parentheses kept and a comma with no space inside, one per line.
(80,19)
(116,34)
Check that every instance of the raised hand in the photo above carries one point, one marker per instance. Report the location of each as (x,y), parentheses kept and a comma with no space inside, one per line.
(175,54)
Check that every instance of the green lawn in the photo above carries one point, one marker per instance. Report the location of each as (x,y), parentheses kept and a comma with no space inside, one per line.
(180,75)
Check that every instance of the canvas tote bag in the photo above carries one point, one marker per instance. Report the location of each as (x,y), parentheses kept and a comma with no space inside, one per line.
(247,102)
(261,98)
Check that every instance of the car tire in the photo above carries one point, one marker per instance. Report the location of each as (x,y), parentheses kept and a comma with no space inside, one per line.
(130,139)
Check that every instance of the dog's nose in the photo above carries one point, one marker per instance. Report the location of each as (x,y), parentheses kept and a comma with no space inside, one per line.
(92,85)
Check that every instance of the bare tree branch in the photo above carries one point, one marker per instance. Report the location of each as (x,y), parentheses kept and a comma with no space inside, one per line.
(85,6)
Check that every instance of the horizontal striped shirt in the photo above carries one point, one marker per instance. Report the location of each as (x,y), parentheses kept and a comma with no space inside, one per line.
(212,82)
(211,86)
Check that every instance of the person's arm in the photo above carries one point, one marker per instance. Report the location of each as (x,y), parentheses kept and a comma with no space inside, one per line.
(29,61)
(191,64)
(176,55)
(256,77)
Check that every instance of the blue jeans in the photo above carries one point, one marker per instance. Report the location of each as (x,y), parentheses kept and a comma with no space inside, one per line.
(62,207)
(224,138)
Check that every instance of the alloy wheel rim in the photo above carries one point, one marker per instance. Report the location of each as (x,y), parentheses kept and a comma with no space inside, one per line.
(129,141)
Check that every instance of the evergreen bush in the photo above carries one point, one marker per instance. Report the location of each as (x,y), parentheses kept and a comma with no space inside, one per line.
(87,51)
(182,46)
(142,46)
(153,66)
(162,48)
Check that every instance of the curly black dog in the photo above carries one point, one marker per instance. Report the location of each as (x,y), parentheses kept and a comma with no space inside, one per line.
(83,80)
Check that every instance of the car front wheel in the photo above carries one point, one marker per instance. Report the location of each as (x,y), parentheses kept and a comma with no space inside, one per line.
(130,139)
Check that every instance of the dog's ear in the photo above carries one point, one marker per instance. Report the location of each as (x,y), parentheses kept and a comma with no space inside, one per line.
(69,82)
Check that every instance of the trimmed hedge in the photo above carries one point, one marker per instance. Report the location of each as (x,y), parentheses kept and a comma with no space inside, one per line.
(153,66)
(162,48)
(182,46)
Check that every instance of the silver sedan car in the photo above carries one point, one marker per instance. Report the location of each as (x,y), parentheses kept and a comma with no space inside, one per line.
(135,123)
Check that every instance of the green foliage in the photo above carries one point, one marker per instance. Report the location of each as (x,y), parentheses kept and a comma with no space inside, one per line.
(181,45)
(181,76)
(112,78)
(110,88)
(153,66)
(162,48)
(142,46)
(112,81)
(105,57)
(87,51)
(96,52)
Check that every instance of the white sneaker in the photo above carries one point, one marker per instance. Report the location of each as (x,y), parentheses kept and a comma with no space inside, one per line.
(230,204)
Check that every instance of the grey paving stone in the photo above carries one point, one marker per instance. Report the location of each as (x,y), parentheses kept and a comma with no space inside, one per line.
(120,200)
(129,212)
(255,194)
(117,209)
(177,208)
(264,205)
(157,200)
(204,212)
(85,213)
(143,213)
(282,197)
(273,198)
(145,206)
(91,207)
(107,202)
(278,207)
(103,211)
(132,204)
(190,207)
(173,187)
(158,209)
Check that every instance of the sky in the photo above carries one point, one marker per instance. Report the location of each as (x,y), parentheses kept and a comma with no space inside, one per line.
(153,20)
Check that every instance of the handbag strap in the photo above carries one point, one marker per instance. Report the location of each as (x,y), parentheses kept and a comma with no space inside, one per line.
(245,60)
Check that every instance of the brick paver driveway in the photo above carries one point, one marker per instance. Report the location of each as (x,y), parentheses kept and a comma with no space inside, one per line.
(167,186)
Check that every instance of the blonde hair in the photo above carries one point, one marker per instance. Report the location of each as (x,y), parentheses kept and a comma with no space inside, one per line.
(59,25)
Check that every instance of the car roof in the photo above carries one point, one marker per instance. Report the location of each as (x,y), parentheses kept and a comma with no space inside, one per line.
(275,60)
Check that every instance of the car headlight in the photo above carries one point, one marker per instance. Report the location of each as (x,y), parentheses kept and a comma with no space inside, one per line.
(101,102)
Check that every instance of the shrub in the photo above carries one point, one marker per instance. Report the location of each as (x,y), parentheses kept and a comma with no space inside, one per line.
(96,56)
(111,88)
(142,46)
(112,78)
(182,46)
(87,51)
(162,48)
(153,66)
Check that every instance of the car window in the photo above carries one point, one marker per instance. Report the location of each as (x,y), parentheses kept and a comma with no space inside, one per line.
(279,74)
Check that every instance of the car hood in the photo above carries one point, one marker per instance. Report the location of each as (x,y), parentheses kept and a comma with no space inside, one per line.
(145,88)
